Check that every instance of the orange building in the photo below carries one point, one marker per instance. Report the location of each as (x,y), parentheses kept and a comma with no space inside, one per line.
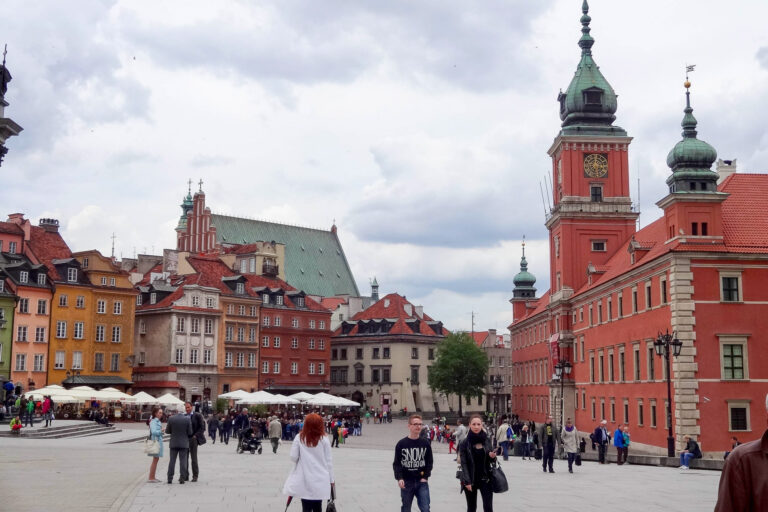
(698,272)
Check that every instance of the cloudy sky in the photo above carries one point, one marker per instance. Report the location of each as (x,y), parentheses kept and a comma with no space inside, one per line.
(421,127)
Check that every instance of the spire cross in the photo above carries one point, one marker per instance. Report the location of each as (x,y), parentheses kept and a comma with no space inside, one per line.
(113,243)
(189,186)
(201,184)
(523,246)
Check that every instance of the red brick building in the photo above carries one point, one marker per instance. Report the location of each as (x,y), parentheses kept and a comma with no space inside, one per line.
(699,271)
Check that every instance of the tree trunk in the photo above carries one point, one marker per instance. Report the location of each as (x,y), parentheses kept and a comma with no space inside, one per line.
(461,414)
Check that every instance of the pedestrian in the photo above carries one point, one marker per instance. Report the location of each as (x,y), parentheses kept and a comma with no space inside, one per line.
(618,443)
(692,451)
(47,408)
(600,438)
(476,454)
(312,477)
(743,480)
(548,436)
(625,435)
(526,438)
(30,413)
(367,417)
(504,435)
(180,428)
(196,438)
(570,440)
(155,434)
(413,466)
(213,427)
(734,443)
(275,430)
(15,425)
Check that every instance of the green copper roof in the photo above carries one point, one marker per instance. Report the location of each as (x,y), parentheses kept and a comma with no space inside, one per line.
(691,159)
(314,259)
(524,280)
(588,105)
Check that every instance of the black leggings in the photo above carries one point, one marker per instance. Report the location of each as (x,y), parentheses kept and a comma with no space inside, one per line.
(485,492)
(311,505)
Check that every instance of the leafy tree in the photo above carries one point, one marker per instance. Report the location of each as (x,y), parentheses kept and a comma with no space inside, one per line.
(460,368)
(221,405)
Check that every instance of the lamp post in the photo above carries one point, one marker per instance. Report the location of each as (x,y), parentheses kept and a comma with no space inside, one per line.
(71,375)
(497,383)
(206,381)
(562,370)
(664,344)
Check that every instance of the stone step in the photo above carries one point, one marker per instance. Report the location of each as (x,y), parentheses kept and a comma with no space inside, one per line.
(62,432)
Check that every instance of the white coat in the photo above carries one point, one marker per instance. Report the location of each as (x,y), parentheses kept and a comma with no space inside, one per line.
(312,476)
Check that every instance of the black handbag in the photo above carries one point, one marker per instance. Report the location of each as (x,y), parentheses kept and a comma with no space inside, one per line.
(498,479)
(578,459)
(331,506)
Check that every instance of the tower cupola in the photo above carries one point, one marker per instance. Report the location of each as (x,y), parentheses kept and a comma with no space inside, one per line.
(691,159)
(588,106)
(524,281)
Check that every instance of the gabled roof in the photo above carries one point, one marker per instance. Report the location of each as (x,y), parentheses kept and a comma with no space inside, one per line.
(392,309)
(331,303)
(48,246)
(11,228)
(314,258)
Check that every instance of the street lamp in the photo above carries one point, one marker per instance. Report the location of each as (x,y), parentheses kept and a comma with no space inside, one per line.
(497,383)
(206,381)
(662,345)
(71,375)
(269,383)
(562,370)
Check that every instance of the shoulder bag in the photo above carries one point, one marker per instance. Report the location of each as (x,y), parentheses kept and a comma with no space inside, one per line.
(498,478)
(578,459)
(151,446)
(331,506)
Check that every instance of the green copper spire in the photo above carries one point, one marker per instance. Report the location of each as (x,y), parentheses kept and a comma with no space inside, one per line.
(186,206)
(588,105)
(691,159)
(524,280)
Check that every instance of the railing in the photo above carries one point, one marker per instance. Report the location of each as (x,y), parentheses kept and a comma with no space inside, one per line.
(269,269)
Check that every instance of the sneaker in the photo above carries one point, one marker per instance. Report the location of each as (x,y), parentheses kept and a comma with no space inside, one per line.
(684,467)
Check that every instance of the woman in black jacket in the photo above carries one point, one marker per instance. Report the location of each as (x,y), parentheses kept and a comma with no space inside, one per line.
(476,455)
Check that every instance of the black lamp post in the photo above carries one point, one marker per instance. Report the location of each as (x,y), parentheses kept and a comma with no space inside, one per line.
(206,380)
(71,375)
(664,344)
(497,384)
(562,370)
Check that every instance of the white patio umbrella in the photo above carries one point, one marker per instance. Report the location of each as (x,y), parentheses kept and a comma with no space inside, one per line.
(237,394)
(302,396)
(323,401)
(169,400)
(282,399)
(112,394)
(142,398)
(259,397)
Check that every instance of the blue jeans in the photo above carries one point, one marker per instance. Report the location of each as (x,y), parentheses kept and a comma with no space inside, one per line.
(504,449)
(527,450)
(685,459)
(418,489)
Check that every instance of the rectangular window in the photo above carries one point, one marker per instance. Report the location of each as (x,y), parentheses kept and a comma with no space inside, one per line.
(78,331)
(591,367)
(114,362)
(21,362)
(601,368)
(733,361)
(600,312)
(294,322)
(279,300)
(265,341)
(294,342)
(414,353)
(116,334)
(111,281)
(38,365)
(312,344)
(596,194)
(42,307)
(153,298)
(300,302)
(80,301)
(663,289)
(358,353)
(228,359)
(311,368)
(278,321)
(311,324)
(622,366)
(12,247)
(730,288)
(100,331)
(634,301)
(276,342)
(61,329)
(240,360)
(375,375)
(640,412)
(648,296)
(265,300)
(276,367)
(241,310)
(322,324)
(195,325)
(375,353)
(23,277)
(611,376)
(77,360)
(294,368)
(321,369)
(142,357)
(179,356)
(613,411)
(636,361)
(208,326)
(103,281)
(594,409)
(738,416)
(195,301)
(251,360)
(72,275)
(60,360)
(41,279)
(385,354)
(653,413)
(23,305)
(241,334)
(193,356)
(253,310)
(180,324)
(651,365)
(620,305)
(209,303)
(21,333)
(265,321)
(98,362)
(139,299)
(626,411)
(62,301)
(343,355)
(207,356)
(101,307)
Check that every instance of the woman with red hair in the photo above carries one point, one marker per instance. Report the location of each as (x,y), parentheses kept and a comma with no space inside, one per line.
(312,477)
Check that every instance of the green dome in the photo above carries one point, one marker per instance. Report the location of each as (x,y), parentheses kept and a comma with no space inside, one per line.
(524,278)
(589,104)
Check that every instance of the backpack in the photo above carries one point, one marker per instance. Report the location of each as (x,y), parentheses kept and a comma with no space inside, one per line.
(510,434)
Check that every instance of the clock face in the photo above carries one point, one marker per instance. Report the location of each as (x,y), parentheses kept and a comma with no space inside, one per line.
(595,165)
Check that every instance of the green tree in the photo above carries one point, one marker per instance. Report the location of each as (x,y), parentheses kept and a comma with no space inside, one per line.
(460,368)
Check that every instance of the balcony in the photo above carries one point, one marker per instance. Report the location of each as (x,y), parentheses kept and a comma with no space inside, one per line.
(270,269)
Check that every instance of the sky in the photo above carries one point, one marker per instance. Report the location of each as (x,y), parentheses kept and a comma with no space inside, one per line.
(420,127)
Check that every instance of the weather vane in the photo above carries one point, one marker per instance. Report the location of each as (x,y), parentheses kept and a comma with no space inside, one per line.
(689,68)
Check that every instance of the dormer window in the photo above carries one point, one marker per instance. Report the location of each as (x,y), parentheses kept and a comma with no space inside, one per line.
(153,298)
(72,275)
(240,288)
(265,298)
(300,302)
(593,97)
(85,262)
(23,276)
(279,300)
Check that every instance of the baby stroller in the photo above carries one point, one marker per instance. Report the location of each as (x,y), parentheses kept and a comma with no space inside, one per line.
(248,442)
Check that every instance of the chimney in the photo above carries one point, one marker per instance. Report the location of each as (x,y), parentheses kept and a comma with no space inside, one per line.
(50,225)
(724,169)
(420,311)
(408,309)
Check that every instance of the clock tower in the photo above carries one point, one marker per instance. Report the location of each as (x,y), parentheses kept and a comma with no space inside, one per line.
(592,213)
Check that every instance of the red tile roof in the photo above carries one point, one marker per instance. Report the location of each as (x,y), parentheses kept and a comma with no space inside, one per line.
(393,307)
(744,220)
(10,227)
(479,337)
(331,303)
(48,246)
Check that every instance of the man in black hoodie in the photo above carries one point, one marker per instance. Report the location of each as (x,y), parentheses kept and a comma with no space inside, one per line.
(413,466)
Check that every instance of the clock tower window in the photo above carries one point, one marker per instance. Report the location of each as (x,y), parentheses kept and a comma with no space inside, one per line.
(596,193)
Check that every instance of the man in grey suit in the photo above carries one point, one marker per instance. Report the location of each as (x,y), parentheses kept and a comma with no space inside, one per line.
(180,429)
